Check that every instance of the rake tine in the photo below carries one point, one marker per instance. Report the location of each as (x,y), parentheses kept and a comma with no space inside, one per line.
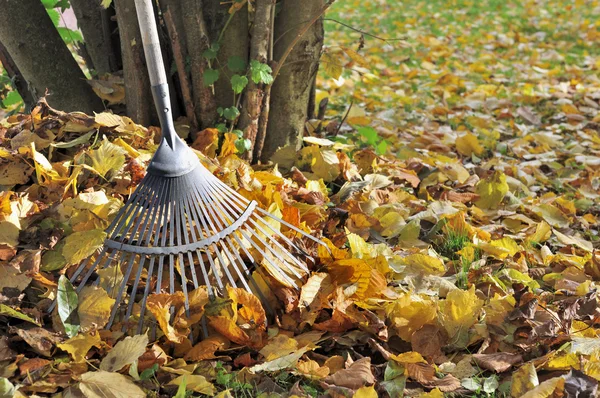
(276,243)
(131,207)
(140,240)
(200,198)
(180,227)
(163,238)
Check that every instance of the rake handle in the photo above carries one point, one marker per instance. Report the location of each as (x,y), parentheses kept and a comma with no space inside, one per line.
(149,31)
(156,69)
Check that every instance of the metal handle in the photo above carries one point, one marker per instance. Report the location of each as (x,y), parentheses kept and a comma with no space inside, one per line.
(156,70)
(148,29)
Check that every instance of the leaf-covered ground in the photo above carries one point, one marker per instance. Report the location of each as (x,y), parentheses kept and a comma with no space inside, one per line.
(459,197)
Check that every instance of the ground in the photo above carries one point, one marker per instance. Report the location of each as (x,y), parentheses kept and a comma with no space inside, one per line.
(455,179)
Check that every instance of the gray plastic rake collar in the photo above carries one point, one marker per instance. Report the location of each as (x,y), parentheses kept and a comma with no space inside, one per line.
(173,158)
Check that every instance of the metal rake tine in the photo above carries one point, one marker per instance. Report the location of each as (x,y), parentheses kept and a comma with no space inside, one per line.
(221,216)
(267,247)
(131,207)
(283,222)
(276,243)
(150,231)
(130,200)
(204,220)
(180,228)
(141,239)
(163,240)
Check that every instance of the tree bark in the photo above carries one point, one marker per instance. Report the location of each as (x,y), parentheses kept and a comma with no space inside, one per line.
(197,41)
(17,78)
(252,104)
(138,96)
(43,58)
(233,40)
(291,90)
(91,20)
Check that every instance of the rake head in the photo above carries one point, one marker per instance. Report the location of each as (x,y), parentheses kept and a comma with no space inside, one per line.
(189,231)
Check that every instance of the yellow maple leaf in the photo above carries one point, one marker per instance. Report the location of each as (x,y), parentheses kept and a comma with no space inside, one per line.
(409,312)
(94,308)
(160,305)
(79,345)
(459,311)
(468,144)
(80,245)
(491,191)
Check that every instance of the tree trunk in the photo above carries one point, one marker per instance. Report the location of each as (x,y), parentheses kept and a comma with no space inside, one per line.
(197,42)
(291,90)
(233,41)
(43,58)
(138,95)
(252,105)
(91,20)
(17,78)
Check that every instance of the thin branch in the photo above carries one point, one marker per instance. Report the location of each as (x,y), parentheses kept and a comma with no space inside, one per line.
(179,56)
(362,31)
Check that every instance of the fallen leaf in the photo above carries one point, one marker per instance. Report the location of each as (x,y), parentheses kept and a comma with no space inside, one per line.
(103,384)
(124,353)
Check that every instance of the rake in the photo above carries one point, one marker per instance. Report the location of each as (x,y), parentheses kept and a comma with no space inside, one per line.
(182,217)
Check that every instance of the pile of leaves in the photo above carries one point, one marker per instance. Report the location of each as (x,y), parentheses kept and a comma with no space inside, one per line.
(463,227)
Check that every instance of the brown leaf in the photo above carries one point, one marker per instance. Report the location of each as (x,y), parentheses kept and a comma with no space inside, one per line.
(428,341)
(357,375)
(424,374)
(498,362)
(41,340)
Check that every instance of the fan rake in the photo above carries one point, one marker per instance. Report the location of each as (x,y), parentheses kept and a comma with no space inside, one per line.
(183,221)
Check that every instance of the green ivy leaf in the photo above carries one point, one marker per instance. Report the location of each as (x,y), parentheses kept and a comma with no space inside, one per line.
(243,145)
(381,148)
(221,127)
(48,4)
(238,83)
(67,300)
(210,77)
(239,133)
(211,53)
(261,73)
(369,134)
(70,36)
(12,98)
(106,3)
(148,373)
(54,16)
(236,64)
(231,113)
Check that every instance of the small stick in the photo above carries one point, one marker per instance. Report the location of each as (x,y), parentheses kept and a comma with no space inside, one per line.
(186,91)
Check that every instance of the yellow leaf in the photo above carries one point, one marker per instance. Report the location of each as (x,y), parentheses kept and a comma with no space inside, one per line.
(195,383)
(228,328)
(107,158)
(468,144)
(228,147)
(81,245)
(79,345)
(409,357)
(542,233)
(312,369)
(124,353)
(425,264)
(365,392)
(356,57)
(10,277)
(206,348)
(523,380)
(15,172)
(459,311)
(574,241)
(252,310)
(279,346)
(94,308)
(103,384)
(408,313)
(315,291)
(491,191)
(552,215)
(331,64)
(160,305)
(546,389)
(435,393)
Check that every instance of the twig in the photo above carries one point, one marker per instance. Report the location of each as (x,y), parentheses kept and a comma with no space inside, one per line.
(186,91)
(337,131)
(362,31)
